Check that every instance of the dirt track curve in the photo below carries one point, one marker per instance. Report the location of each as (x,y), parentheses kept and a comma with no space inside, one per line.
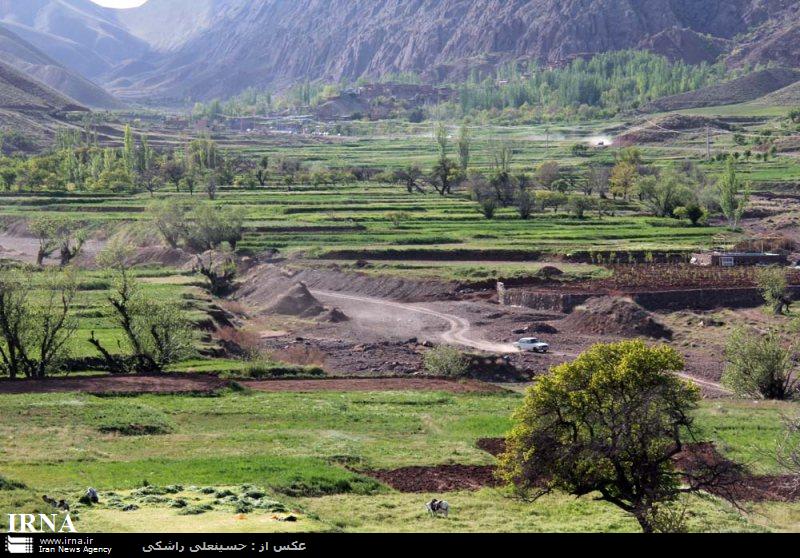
(459,328)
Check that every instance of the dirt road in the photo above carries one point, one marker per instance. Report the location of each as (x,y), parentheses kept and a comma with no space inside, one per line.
(459,330)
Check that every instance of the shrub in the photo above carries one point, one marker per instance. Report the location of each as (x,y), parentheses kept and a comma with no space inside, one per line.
(525,204)
(446,361)
(773,285)
(693,212)
(758,366)
(196,510)
(397,218)
(579,205)
(488,206)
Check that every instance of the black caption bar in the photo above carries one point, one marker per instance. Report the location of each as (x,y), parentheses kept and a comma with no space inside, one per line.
(301,545)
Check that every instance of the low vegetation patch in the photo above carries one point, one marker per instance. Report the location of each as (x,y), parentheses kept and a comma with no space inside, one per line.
(265,368)
(8,484)
(130,419)
(446,361)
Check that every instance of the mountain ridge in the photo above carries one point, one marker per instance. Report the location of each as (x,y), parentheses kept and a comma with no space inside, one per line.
(275,43)
(201,49)
(27,58)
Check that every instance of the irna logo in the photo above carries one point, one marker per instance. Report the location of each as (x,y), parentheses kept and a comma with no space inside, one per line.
(39,523)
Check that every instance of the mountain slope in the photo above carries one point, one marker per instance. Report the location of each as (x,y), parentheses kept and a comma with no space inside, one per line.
(277,42)
(776,40)
(741,90)
(168,24)
(200,49)
(77,33)
(30,109)
(27,58)
(687,45)
(19,91)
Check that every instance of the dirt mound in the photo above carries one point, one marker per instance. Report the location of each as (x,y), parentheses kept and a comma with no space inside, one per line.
(297,301)
(442,478)
(614,316)
(262,282)
(543,328)
(492,446)
(274,290)
(549,271)
(334,316)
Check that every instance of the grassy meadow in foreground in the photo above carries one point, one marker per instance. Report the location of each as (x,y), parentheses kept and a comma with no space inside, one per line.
(300,454)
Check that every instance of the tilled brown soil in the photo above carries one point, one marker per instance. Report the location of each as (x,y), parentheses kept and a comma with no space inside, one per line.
(736,486)
(117,384)
(441,478)
(186,383)
(373,384)
(492,446)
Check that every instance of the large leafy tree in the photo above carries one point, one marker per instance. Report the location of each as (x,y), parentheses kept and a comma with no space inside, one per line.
(610,423)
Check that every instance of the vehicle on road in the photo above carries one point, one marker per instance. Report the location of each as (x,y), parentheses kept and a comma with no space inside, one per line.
(532,344)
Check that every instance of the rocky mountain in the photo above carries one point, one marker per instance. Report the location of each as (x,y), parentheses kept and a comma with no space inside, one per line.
(685,44)
(25,57)
(278,42)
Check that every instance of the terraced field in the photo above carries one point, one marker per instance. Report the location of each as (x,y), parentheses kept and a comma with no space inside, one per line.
(383,218)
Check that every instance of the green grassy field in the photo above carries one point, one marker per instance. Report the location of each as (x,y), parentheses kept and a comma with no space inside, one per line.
(93,312)
(364,216)
(395,144)
(292,447)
